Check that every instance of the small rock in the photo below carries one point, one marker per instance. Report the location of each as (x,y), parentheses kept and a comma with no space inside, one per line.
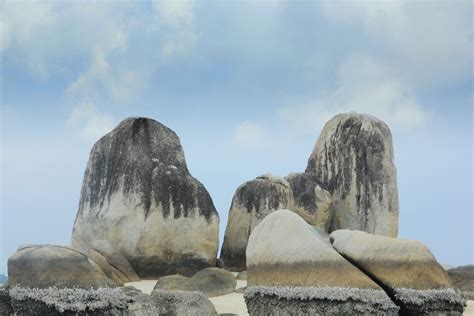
(174,282)
(214,282)
(182,303)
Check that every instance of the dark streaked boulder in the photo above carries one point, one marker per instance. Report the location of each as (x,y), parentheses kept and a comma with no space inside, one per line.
(138,195)
(354,159)
(251,203)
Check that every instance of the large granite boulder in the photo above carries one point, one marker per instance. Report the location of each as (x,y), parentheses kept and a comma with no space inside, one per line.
(462,279)
(211,282)
(312,201)
(44,266)
(289,266)
(406,269)
(251,203)
(173,303)
(354,159)
(139,196)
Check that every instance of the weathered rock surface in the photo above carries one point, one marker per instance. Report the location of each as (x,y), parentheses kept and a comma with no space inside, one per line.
(5,302)
(175,282)
(405,268)
(47,265)
(69,301)
(262,300)
(354,159)
(312,201)
(115,258)
(462,279)
(251,203)
(214,282)
(139,196)
(181,303)
(286,252)
(210,281)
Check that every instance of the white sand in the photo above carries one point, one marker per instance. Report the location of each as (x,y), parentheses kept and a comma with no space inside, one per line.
(231,303)
(469,309)
(146,286)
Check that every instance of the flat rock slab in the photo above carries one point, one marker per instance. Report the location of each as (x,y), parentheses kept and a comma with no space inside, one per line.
(262,300)
(406,269)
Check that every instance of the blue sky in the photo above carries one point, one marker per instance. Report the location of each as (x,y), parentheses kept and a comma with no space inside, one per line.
(247,86)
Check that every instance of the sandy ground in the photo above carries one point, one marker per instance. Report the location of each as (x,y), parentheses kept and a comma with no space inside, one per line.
(234,302)
(469,309)
(230,303)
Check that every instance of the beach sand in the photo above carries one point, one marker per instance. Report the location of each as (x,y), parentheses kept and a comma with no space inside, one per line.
(230,303)
(234,302)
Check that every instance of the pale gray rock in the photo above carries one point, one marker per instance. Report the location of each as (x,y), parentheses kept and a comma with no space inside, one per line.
(312,201)
(139,196)
(286,252)
(48,265)
(214,282)
(405,268)
(110,271)
(354,159)
(251,203)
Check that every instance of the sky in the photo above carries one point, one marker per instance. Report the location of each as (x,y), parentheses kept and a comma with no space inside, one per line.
(247,86)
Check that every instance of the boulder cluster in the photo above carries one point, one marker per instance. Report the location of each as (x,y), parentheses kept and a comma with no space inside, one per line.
(320,242)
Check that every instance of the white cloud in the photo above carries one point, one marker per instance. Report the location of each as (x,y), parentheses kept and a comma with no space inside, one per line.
(251,135)
(429,42)
(364,86)
(91,123)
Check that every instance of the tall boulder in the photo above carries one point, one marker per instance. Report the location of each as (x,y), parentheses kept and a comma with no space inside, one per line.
(251,203)
(405,268)
(44,266)
(139,196)
(354,158)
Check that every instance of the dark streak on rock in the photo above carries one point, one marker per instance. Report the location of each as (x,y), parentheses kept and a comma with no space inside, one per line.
(253,195)
(134,158)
